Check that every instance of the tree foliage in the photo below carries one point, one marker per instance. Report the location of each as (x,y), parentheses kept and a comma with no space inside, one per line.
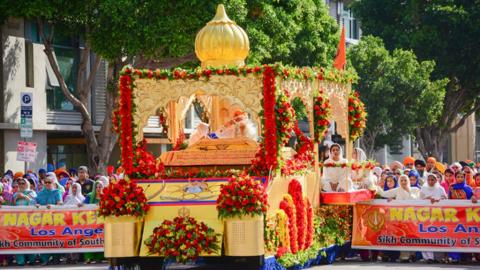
(445,31)
(397,90)
(161,34)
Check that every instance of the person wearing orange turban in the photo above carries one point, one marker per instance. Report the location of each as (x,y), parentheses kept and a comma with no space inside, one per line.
(431,161)
(18,175)
(409,162)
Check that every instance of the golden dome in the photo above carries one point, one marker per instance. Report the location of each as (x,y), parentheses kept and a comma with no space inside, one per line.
(222,42)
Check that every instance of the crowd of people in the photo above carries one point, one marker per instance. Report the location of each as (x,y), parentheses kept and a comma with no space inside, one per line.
(416,179)
(53,187)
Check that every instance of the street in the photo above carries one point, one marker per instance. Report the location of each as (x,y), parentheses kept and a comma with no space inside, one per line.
(337,265)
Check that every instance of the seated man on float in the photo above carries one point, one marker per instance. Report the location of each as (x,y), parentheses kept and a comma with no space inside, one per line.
(239,126)
(335,172)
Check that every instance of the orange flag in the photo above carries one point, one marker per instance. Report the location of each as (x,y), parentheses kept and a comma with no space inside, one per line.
(341,58)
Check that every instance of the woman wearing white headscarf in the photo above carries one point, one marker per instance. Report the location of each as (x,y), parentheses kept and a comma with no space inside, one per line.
(363,177)
(105,181)
(335,172)
(434,192)
(56,184)
(403,192)
(75,196)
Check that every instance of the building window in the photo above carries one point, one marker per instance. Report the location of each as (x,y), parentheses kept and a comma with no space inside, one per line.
(72,155)
(352,29)
(67,59)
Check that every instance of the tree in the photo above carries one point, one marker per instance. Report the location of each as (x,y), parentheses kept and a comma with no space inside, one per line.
(397,91)
(443,31)
(161,34)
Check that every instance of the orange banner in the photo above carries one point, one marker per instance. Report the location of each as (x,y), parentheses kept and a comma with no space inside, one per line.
(62,229)
(450,225)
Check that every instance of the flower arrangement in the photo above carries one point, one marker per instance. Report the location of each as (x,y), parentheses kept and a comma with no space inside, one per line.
(282,229)
(269,122)
(305,73)
(310,223)
(357,116)
(123,199)
(271,236)
(322,112)
(335,165)
(182,173)
(145,164)
(125,112)
(181,143)
(295,191)
(367,165)
(285,118)
(182,239)
(303,157)
(242,196)
(288,207)
(333,224)
(259,165)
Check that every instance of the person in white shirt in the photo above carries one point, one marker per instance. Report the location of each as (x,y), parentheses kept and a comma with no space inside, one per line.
(434,192)
(335,172)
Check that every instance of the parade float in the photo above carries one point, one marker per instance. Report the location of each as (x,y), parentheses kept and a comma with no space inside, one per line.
(238,192)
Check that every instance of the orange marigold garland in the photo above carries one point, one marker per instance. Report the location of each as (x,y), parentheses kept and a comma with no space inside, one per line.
(322,111)
(288,206)
(357,116)
(295,190)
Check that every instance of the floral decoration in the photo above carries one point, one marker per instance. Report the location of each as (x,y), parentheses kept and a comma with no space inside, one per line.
(269,122)
(123,198)
(271,236)
(333,224)
(322,111)
(303,157)
(288,206)
(357,116)
(242,196)
(295,191)
(282,229)
(285,118)
(126,127)
(145,164)
(310,223)
(181,143)
(190,173)
(182,240)
(286,72)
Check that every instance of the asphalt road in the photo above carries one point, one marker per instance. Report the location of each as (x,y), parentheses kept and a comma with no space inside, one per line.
(337,265)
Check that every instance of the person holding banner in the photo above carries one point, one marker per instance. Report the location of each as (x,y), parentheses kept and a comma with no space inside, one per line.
(476,190)
(403,192)
(74,197)
(434,192)
(94,198)
(459,191)
(49,196)
(24,197)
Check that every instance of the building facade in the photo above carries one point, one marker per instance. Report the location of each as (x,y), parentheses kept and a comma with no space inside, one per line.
(56,124)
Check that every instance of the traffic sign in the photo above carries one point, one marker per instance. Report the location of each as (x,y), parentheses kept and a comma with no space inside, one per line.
(26,109)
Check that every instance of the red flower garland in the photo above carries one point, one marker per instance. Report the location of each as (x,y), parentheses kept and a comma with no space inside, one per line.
(289,208)
(295,190)
(357,116)
(269,132)
(304,154)
(310,225)
(322,112)
(123,199)
(125,112)
(285,118)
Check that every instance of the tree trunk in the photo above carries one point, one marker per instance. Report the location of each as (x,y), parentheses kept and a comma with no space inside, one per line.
(430,142)
(98,151)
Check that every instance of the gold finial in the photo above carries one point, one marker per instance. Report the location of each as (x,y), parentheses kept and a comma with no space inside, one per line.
(222,42)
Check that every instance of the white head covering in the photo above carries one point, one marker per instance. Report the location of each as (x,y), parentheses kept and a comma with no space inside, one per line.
(435,192)
(377,171)
(53,178)
(361,156)
(75,198)
(104,180)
